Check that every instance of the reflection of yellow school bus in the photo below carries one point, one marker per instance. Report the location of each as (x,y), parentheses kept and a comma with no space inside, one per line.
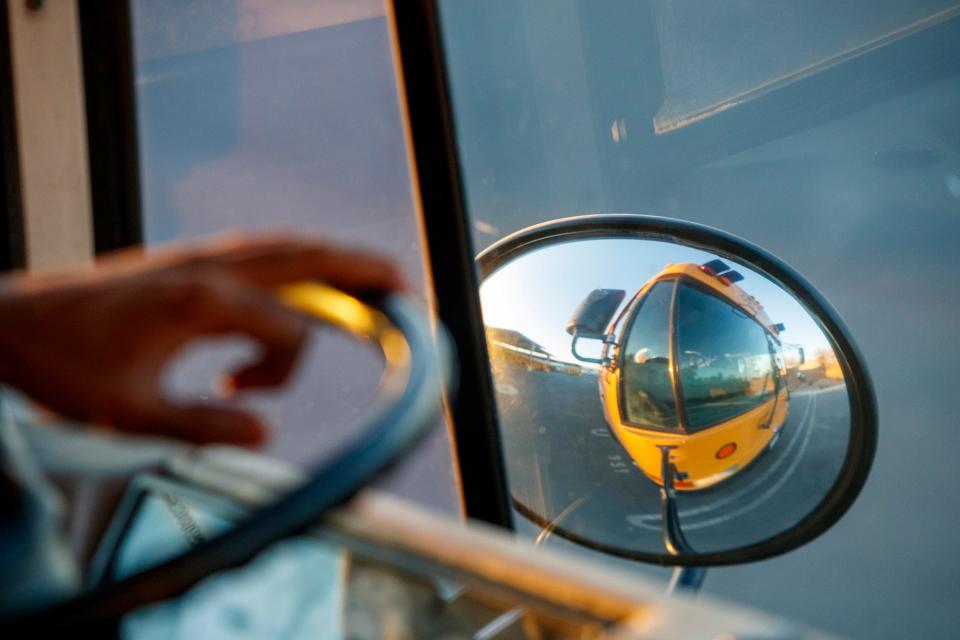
(694,364)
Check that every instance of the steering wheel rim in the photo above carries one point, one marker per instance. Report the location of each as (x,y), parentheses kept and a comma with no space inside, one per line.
(418,364)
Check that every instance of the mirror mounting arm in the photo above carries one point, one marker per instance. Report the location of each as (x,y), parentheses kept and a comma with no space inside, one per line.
(673,538)
(607,339)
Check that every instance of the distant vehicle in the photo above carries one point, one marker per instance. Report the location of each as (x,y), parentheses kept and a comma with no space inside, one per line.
(692,373)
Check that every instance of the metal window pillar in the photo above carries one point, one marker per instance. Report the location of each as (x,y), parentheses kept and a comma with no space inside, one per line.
(51,140)
(11,221)
(423,84)
(105,28)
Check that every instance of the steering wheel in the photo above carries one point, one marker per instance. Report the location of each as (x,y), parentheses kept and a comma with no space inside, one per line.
(418,363)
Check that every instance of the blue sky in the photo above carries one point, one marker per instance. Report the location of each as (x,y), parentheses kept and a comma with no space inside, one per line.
(537,293)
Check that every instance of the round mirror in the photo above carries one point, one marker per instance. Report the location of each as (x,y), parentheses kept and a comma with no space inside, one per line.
(670,393)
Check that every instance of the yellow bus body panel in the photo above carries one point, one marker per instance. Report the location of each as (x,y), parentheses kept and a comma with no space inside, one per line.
(695,454)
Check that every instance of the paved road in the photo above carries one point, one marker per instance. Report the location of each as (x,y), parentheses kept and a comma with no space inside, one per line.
(566,468)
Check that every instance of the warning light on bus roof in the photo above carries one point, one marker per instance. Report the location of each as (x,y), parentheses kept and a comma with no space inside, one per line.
(730,277)
(714,267)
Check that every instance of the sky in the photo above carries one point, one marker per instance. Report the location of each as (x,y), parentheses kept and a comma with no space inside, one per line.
(537,293)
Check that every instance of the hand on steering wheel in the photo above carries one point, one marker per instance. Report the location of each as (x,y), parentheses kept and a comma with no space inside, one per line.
(92,344)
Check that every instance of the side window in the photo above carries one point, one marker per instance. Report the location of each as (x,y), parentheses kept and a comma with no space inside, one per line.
(646,388)
(284,115)
(724,357)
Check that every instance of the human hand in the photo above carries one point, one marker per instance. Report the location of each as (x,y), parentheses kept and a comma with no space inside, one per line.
(92,345)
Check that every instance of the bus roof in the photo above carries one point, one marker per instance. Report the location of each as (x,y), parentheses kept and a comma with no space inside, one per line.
(725,289)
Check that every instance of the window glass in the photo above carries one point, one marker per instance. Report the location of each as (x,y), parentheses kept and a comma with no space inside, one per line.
(780,42)
(283,115)
(647,386)
(825,132)
(724,359)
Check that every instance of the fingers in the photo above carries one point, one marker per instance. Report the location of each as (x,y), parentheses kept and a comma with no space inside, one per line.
(219,305)
(201,424)
(274,261)
(272,370)
(221,289)
(233,307)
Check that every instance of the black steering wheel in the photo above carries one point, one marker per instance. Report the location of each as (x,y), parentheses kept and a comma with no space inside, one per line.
(418,363)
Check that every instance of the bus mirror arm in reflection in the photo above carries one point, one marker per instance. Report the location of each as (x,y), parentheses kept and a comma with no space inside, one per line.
(801,353)
(607,339)
(673,538)
(685,579)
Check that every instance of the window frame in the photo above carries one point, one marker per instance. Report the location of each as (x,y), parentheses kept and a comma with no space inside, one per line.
(425,100)
(111,118)
(47,187)
(12,245)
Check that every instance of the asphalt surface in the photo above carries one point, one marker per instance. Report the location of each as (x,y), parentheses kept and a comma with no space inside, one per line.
(566,468)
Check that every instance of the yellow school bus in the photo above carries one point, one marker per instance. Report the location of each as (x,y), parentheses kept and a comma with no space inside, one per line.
(695,365)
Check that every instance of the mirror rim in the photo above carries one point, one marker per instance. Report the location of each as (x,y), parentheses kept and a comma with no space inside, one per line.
(863,407)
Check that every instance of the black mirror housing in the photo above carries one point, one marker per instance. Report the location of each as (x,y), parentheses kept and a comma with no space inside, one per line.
(593,315)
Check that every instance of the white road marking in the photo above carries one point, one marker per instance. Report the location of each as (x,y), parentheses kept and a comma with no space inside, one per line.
(766,495)
(813,392)
(507,389)
(806,423)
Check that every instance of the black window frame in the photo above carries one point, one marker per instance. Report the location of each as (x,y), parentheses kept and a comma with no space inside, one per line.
(12,242)
(110,99)
(450,251)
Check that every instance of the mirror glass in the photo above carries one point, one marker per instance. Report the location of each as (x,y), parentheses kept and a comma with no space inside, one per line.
(656,398)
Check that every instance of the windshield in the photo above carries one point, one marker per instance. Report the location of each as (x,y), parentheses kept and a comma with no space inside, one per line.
(646,388)
(726,367)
